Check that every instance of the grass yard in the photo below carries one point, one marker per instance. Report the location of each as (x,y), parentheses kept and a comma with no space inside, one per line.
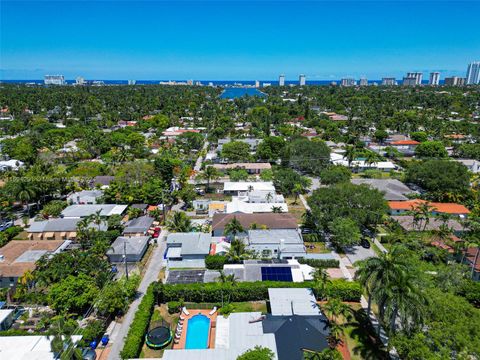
(296,209)
(360,338)
(318,248)
(160,313)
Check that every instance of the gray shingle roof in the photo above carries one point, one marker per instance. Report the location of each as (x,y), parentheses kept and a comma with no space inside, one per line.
(394,189)
(61,224)
(140,224)
(86,210)
(135,245)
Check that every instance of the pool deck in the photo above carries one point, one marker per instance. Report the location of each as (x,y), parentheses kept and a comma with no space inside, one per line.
(211,335)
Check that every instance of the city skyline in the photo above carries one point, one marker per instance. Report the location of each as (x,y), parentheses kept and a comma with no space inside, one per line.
(230,40)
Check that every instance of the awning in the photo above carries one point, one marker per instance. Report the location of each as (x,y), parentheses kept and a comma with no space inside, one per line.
(49,235)
(63,234)
(30,236)
(72,234)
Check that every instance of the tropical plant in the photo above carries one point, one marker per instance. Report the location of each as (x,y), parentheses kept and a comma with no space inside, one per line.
(233,228)
(179,222)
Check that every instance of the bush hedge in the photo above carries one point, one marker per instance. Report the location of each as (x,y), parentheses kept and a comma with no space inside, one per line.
(138,329)
(215,262)
(321,263)
(174,306)
(250,291)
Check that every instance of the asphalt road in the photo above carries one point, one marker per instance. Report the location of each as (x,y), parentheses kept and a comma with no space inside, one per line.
(151,275)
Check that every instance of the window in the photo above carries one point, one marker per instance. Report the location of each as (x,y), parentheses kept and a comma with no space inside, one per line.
(266,253)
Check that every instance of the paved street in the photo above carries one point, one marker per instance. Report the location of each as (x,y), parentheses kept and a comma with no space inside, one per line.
(357,253)
(151,275)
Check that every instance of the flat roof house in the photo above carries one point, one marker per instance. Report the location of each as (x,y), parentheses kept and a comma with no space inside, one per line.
(58,229)
(138,226)
(253,143)
(242,188)
(84,197)
(393,189)
(262,220)
(276,243)
(134,248)
(29,347)
(81,211)
(401,207)
(251,168)
(19,256)
(188,249)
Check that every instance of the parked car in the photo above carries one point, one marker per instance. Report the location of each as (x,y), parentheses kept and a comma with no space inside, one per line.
(365,244)
(5,224)
(88,354)
(156,232)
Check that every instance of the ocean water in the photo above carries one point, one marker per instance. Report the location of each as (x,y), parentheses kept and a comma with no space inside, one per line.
(236,92)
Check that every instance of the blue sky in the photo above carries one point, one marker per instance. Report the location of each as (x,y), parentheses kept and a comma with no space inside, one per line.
(236,40)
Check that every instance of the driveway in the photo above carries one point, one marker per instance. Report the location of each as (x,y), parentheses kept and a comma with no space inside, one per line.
(151,275)
(357,253)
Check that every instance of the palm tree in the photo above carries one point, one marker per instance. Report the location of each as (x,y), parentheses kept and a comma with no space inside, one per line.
(321,280)
(277,209)
(372,158)
(96,218)
(210,173)
(336,308)
(227,279)
(350,154)
(24,192)
(297,190)
(179,222)
(234,227)
(238,252)
(376,271)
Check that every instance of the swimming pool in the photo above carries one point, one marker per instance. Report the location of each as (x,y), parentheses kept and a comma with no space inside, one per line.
(197,332)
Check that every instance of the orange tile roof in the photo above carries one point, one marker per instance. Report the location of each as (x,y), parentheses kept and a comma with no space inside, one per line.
(449,208)
(405,142)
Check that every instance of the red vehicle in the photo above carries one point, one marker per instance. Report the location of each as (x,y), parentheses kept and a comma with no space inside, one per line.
(156,232)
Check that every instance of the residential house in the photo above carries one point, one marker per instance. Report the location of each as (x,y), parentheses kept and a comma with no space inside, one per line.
(471,164)
(242,188)
(173,132)
(251,168)
(81,211)
(59,229)
(19,256)
(408,223)
(402,207)
(361,165)
(188,249)
(393,189)
(6,319)
(259,221)
(472,259)
(131,247)
(30,347)
(273,270)
(276,243)
(10,165)
(103,181)
(405,147)
(84,197)
(138,226)
(253,143)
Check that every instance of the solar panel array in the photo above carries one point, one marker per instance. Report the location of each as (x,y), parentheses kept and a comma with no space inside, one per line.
(276,274)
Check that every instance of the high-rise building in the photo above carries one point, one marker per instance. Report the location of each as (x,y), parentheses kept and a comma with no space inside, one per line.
(79,81)
(132,82)
(281,80)
(473,73)
(348,82)
(257,83)
(54,80)
(389,81)
(190,82)
(301,80)
(409,81)
(363,82)
(434,78)
(454,81)
(418,76)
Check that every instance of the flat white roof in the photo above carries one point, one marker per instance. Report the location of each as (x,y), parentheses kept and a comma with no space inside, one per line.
(246,185)
(28,347)
(291,301)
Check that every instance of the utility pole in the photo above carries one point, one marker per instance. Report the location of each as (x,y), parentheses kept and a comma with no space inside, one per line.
(125,257)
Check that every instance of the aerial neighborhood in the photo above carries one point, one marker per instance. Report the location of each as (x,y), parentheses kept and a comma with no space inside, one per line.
(179,222)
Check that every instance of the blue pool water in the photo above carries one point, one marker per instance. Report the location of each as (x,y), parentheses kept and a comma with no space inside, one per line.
(197,332)
(233,93)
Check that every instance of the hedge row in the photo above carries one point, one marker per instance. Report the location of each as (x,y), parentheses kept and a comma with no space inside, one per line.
(250,291)
(138,329)
(321,263)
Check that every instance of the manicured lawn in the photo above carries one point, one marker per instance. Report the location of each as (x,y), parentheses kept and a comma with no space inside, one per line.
(296,209)
(319,248)
(159,314)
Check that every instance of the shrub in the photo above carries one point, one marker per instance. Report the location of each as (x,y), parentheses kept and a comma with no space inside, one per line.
(174,306)
(135,337)
(320,263)
(257,353)
(248,291)
(215,262)
(93,331)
